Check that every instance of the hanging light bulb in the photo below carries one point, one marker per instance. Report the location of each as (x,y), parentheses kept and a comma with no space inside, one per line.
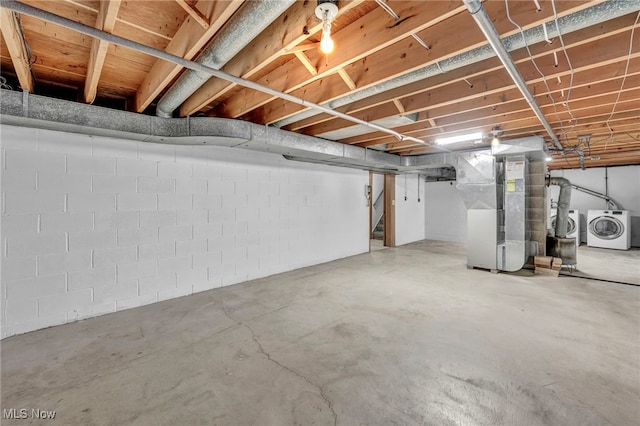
(496,131)
(326,11)
(326,44)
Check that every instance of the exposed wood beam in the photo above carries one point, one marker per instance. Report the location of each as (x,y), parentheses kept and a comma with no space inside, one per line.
(528,126)
(187,42)
(385,64)
(508,119)
(303,47)
(194,13)
(106,21)
(610,159)
(371,33)
(442,102)
(514,125)
(16,45)
(579,107)
(493,88)
(451,114)
(347,79)
(305,61)
(399,106)
(87,6)
(278,39)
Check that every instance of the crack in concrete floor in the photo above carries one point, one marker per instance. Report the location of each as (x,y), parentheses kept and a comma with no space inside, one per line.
(281,365)
(433,343)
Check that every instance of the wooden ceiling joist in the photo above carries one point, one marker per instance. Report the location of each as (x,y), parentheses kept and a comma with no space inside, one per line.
(493,88)
(17,47)
(371,33)
(597,125)
(602,160)
(347,79)
(127,22)
(106,21)
(278,39)
(195,13)
(187,42)
(594,89)
(499,94)
(451,37)
(305,61)
(510,123)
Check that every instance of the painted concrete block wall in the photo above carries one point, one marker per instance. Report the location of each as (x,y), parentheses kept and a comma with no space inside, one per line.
(623,188)
(410,212)
(445,213)
(93,225)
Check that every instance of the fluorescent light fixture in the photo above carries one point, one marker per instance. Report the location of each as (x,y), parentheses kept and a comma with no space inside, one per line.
(459,138)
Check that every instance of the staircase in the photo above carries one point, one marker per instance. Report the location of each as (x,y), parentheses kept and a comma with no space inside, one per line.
(377,216)
(378,231)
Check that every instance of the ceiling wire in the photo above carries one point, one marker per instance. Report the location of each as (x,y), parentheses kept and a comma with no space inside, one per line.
(89,30)
(566,55)
(535,65)
(4,84)
(395,16)
(624,79)
(25,48)
(631,136)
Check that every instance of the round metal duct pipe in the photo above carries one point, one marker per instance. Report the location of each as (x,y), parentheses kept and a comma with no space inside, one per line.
(244,26)
(564,198)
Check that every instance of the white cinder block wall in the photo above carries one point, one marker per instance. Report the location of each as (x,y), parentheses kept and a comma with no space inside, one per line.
(410,212)
(93,225)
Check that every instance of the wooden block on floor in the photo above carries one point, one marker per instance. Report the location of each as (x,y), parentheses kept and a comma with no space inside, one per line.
(543,261)
(547,272)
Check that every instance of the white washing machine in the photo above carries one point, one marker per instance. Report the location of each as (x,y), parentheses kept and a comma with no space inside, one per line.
(609,229)
(573,224)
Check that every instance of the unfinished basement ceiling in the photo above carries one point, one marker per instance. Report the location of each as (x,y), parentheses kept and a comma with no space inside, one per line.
(586,82)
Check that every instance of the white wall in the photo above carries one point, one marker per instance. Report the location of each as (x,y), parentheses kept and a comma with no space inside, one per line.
(93,225)
(623,188)
(445,213)
(409,212)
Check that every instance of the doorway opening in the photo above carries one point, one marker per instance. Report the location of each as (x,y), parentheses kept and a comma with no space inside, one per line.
(381,211)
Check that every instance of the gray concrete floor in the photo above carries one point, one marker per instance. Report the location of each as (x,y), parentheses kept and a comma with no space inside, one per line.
(612,265)
(398,336)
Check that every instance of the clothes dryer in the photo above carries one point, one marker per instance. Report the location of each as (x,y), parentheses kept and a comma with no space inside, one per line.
(609,229)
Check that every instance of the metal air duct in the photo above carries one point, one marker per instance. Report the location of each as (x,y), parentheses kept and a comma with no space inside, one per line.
(191,65)
(564,198)
(244,26)
(486,26)
(559,245)
(585,18)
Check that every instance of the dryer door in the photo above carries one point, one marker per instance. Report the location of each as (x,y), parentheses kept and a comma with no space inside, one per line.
(606,227)
(571,225)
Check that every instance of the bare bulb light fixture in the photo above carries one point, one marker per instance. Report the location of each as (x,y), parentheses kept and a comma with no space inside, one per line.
(326,11)
(496,132)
